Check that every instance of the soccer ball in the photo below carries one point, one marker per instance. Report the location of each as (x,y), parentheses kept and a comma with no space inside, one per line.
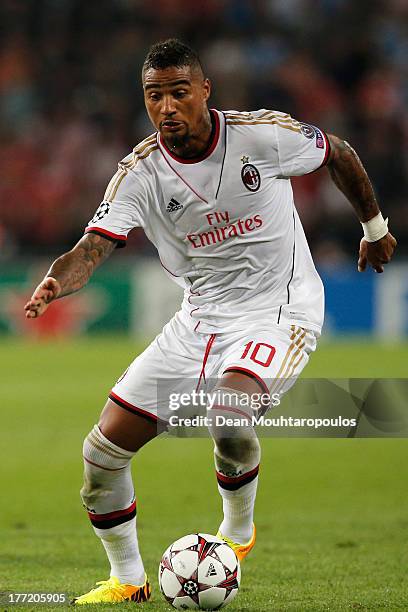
(199,572)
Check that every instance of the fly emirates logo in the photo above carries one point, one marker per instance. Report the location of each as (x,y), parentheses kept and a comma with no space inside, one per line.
(221,229)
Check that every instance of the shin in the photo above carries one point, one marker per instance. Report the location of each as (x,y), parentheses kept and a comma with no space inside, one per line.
(109,498)
(237,455)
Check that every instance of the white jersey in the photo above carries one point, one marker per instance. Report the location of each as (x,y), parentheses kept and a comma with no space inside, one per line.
(225,225)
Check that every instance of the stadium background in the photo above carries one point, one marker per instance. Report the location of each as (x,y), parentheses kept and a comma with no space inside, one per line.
(71,106)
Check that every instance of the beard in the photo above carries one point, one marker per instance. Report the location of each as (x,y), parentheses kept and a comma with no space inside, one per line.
(176,141)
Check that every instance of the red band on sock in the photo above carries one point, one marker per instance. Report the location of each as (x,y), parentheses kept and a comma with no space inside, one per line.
(112,519)
(236,482)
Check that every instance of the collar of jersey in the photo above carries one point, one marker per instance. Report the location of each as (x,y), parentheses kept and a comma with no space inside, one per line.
(211,146)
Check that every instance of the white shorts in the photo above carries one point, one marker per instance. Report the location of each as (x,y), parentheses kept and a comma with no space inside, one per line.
(182,360)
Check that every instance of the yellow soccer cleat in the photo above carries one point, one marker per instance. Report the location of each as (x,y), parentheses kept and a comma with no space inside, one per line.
(241,550)
(112,591)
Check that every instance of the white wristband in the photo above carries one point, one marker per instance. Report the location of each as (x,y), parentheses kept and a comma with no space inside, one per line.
(375,228)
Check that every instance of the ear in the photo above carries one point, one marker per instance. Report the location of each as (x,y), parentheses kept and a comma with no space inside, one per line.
(207,89)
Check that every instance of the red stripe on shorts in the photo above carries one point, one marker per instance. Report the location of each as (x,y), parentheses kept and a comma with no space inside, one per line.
(207,352)
(127,406)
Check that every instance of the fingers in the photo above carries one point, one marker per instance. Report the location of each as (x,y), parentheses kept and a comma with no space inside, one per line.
(35,308)
(377,254)
(362,263)
(46,292)
(392,241)
(376,264)
(362,260)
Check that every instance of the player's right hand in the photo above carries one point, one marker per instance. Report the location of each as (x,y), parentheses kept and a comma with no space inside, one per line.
(47,291)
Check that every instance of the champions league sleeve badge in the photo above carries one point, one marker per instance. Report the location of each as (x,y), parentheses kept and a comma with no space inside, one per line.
(101,212)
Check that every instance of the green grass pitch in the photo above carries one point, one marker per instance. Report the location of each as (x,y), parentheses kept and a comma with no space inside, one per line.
(332,514)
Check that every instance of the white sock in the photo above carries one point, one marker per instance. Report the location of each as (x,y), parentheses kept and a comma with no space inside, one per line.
(108,495)
(121,546)
(238,507)
(237,454)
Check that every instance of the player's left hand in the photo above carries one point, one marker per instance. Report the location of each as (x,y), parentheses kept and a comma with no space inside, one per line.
(377,254)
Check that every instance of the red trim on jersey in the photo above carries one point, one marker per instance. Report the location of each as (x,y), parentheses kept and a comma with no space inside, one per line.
(200,197)
(205,358)
(250,374)
(106,232)
(167,270)
(192,294)
(209,150)
(112,515)
(124,404)
(238,478)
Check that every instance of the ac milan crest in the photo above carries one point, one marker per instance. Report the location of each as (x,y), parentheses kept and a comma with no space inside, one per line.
(251,177)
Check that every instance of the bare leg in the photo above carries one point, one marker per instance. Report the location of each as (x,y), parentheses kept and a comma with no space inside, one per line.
(125,429)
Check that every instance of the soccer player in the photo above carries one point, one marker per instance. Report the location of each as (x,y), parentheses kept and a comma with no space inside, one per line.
(212,191)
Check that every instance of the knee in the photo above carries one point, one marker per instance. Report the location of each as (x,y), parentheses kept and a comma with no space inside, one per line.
(94,476)
(238,450)
(104,463)
(92,488)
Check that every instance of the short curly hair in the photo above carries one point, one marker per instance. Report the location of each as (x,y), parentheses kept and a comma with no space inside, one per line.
(171,52)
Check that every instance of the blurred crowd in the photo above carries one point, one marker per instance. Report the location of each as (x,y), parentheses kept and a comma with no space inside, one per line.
(71,103)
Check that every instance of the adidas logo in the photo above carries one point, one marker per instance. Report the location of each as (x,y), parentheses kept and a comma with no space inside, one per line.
(211,571)
(173,205)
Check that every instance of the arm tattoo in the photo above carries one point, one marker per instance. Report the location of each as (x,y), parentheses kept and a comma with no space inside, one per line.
(349,174)
(74,269)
